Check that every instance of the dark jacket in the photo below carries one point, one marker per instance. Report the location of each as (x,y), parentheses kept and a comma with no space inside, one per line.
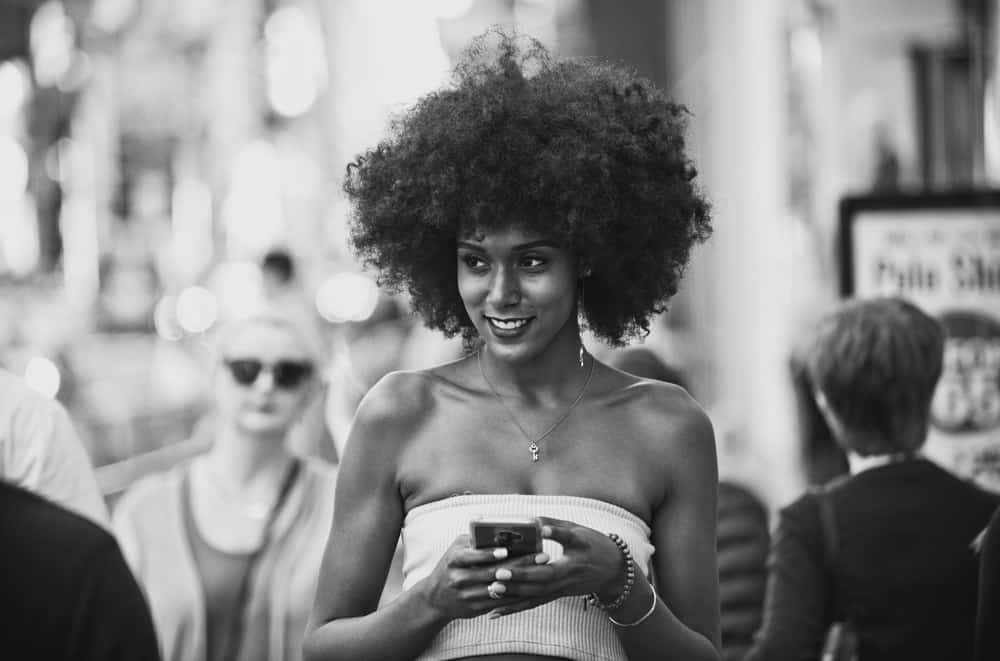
(905,572)
(988,611)
(743,539)
(65,590)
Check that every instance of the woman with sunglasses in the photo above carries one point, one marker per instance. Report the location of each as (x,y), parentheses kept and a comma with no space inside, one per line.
(528,195)
(228,545)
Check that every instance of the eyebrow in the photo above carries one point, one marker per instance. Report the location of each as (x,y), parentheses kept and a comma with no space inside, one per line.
(541,243)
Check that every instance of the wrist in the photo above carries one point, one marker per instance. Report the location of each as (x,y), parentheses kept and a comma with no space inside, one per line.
(423,593)
(616,592)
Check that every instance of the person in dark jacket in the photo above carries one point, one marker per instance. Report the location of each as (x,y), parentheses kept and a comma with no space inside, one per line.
(66,593)
(904,575)
(742,535)
(988,611)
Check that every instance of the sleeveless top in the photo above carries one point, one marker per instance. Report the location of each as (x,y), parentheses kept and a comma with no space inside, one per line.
(562,628)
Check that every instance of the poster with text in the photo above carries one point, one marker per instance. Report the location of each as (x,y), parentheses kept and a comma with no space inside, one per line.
(943,254)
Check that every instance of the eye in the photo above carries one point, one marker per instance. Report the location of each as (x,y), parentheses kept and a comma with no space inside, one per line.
(533,262)
(473,262)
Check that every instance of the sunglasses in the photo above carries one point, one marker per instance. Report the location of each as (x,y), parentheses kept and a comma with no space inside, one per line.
(286,374)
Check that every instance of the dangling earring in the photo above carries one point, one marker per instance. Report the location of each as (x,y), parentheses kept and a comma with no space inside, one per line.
(581,354)
(581,303)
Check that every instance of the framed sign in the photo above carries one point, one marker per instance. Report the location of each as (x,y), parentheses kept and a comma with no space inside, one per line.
(942,252)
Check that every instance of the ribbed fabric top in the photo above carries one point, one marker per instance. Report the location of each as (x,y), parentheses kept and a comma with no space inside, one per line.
(562,628)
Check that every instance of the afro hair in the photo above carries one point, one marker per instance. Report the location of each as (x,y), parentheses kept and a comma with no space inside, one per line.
(587,153)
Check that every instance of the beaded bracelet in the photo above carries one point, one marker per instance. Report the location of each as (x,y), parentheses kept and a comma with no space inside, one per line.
(625,625)
(594,600)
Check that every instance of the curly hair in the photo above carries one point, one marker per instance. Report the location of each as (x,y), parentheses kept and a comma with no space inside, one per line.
(587,153)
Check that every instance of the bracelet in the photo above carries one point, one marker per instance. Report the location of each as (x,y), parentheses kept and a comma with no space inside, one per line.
(594,600)
(652,607)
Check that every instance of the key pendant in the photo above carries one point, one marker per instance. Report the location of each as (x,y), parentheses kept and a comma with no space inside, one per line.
(533,448)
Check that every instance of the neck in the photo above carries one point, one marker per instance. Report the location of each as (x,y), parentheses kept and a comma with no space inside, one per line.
(548,376)
(245,458)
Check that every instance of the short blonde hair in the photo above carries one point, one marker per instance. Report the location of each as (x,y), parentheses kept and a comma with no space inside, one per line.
(306,329)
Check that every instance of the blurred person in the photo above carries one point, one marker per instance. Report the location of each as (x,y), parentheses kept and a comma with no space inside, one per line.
(67,594)
(530,192)
(40,450)
(283,291)
(228,545)
(742,534)
(902,575)
(987,643)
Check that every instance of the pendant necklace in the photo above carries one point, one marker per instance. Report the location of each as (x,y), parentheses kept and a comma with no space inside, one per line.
(533,443)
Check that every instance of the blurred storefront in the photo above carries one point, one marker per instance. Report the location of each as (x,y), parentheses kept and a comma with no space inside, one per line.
(152,151)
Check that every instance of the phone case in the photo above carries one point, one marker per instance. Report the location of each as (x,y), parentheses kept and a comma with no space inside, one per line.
(521,537)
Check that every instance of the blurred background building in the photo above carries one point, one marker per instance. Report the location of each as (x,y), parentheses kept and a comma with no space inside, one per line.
(153,151)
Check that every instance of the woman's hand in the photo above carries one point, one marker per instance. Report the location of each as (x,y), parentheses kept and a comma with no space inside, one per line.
(462,582)
(590,562)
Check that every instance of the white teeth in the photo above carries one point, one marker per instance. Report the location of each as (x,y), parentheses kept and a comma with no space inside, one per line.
(508,324)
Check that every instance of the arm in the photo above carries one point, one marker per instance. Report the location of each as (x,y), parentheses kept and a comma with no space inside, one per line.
(686,620)
(368,515)
(795,601)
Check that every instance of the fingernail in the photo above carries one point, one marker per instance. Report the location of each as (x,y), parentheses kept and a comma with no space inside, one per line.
(500,553)
(546,531)
(504,574)
(541,558)
(494,614)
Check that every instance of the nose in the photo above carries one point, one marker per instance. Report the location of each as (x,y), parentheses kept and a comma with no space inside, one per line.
(264,381)
(504,290)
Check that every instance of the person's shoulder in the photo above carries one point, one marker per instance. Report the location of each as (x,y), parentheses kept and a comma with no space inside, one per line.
(398,397)
(320,472)
(149,491)
(40,523)
(15,395)
(399,403)
(667,410)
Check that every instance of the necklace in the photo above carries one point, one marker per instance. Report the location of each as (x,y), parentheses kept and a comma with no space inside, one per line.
(533,442)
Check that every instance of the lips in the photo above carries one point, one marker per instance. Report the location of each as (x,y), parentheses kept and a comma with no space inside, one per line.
(508,327)
(511,324)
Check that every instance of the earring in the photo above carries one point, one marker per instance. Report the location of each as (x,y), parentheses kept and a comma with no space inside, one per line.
(581,354)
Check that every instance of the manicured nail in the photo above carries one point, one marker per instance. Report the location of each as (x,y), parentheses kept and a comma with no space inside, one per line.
(499,588)
(546,531)
(500,553)
(541,558)
(504,574)
(494,614)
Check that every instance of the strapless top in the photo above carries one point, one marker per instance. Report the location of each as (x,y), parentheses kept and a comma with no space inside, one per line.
(561,628)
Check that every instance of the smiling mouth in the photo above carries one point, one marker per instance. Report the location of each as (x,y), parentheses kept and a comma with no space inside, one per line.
(509,324)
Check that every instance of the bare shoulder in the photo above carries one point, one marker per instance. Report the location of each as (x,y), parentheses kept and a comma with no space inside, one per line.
(400,404)
(397,404)
(668,417)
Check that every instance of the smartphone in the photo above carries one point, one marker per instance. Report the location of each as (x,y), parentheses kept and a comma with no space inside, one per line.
(520,536)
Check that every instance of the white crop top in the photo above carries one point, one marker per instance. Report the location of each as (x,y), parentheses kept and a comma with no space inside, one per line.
(561,628)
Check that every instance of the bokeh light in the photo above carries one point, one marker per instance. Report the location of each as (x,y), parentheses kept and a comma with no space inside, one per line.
(347,297)
(197,309)
(42,375)
(13,87)
(165,319)
(14,166)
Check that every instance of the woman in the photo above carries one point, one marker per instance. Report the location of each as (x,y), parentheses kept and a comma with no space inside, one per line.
(887,548)
(228,546)
(527,194)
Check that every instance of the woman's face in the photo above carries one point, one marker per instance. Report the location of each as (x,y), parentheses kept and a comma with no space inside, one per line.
(265,380)
(519,290)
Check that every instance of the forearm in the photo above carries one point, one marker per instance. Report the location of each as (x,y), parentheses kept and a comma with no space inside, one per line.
(400,630)
(661,631)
